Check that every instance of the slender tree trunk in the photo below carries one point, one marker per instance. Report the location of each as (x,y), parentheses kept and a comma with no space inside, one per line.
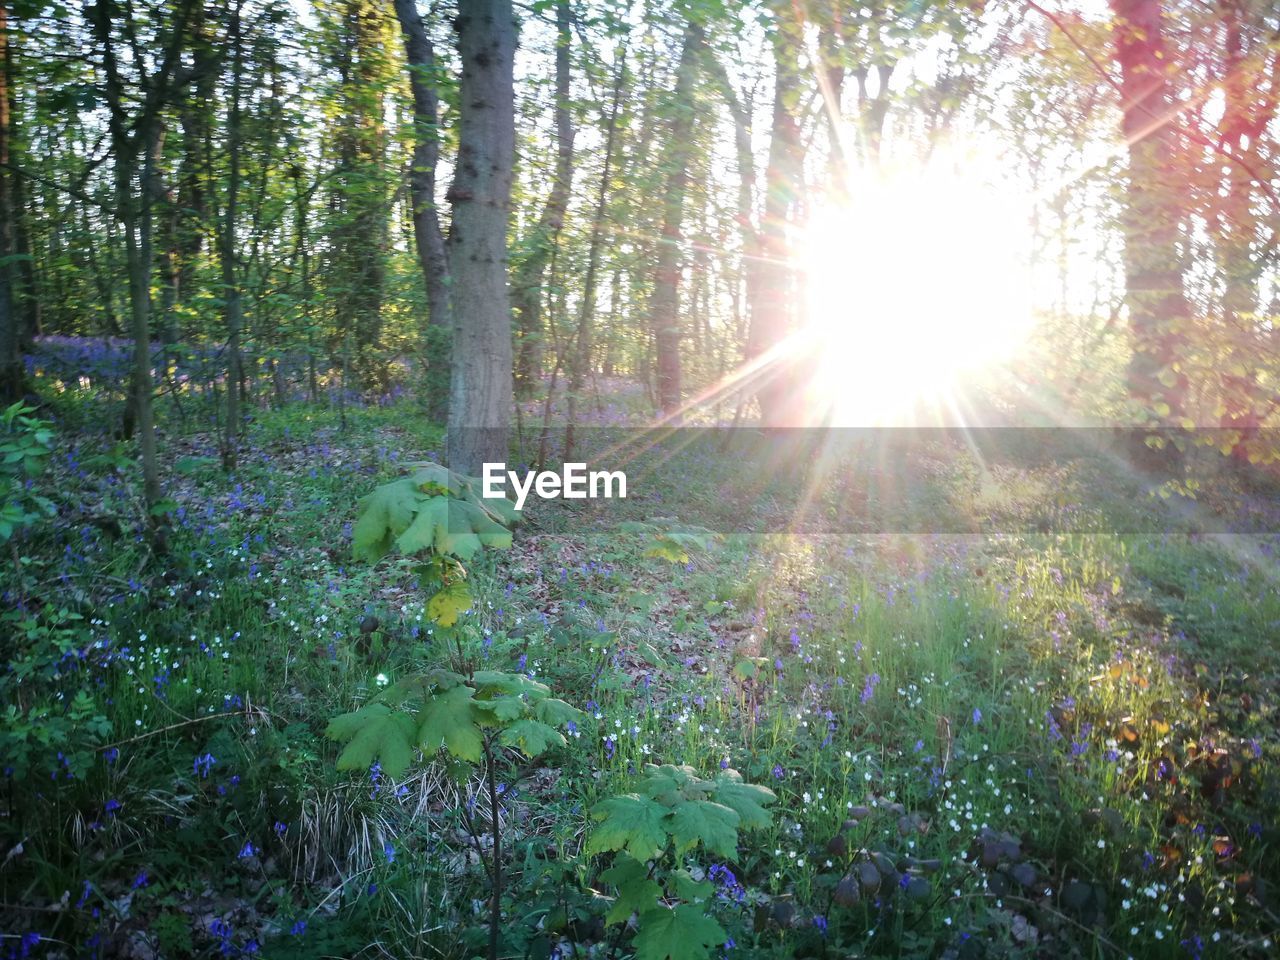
(664,304)
(580,352)
(770,282)
(529,275)
(228,253)
(426,218)
(1249,107)
(25,290)
(12,372)
(1158,311)
(481,387)
(133,135)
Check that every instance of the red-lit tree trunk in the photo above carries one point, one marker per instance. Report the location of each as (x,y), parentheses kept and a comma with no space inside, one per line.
(1159,314)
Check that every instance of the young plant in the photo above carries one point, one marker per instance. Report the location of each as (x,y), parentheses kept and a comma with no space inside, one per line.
(650,831)
(466,713)
(25,444)
(669,540)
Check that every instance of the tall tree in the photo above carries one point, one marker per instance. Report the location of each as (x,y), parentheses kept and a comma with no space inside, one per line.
(135,127)
(1159,315)
(12,372)
(529,276)
(359,205)
(432,257)
(228,245)
(664,303)
(481,388)
(771,284)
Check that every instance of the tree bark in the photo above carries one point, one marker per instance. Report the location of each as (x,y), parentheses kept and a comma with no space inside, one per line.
(580,351)
(1158,311)
(771,281)
(481,387)
(432,257)
(228,254)
(529,276)
(133,134)
(12,372)
(664,304)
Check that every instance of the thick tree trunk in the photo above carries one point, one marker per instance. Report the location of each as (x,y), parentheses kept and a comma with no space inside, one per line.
(664,305)
(1158,311)
(770,285)
(427,234)
(481,388)
(529,276)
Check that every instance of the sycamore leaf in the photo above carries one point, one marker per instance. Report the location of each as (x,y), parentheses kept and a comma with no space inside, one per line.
(629,822)
(449,719)
(503,709)
(711,824)
(449,603)
(684,933)
(531,737)
(384,515)
(637,893)
(668,550)
(374,732)
(556,712)
(686,888)
(515,684)
(748,800)
(454,527)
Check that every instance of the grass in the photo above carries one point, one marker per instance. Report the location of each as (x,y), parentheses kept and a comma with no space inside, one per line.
(1053,744)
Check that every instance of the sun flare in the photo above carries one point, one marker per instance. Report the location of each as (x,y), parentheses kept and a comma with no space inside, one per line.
(919,280)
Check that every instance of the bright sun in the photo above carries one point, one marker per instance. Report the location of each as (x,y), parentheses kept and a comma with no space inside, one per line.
(920,280)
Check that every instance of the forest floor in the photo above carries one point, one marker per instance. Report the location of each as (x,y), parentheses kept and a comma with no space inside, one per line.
(1021,743)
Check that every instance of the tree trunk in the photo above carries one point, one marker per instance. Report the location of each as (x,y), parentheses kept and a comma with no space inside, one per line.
(133,135)
(1158,311)
(664,304)
(12,373)
(481,388)
(1249,108)
(228,254)
(580,351)
(527,282)
(422,192)
(770,282)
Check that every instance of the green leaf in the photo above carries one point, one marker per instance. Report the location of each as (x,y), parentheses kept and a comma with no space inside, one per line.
(686,888)
(452,526)
(503,709)
(531,737)
(374,732)
(448,719)
(384,515)
(637,893)
(449,603)
(748,800)
(713,825)
(684,933)
(629,822)
(556,712)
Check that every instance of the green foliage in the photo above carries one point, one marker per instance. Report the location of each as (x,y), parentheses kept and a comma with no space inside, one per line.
(25,444)
(441,514)
(446,710)
(671,541)
(672,811)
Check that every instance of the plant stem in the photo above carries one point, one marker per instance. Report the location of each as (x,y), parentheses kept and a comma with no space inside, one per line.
(495,906)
